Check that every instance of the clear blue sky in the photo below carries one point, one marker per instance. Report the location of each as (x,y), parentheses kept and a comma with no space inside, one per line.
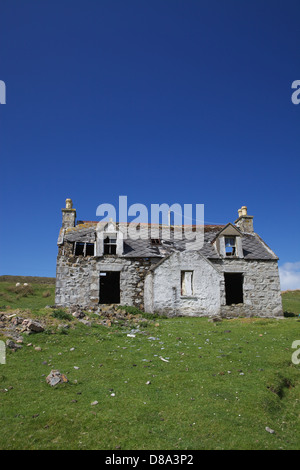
(162,100)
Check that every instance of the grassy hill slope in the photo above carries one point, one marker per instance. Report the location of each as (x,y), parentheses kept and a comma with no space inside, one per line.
(173,384)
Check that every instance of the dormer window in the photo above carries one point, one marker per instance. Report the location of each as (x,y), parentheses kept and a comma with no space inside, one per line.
(110,245)
(110,239)
(230,246)
(228,242)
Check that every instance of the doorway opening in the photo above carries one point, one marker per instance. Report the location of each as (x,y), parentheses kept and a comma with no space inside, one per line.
(109,287)
(234,288)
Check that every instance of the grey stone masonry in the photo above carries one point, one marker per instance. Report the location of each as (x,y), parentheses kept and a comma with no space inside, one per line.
(234,273)
(261,288)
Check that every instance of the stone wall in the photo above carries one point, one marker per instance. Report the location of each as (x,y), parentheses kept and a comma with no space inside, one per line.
(159,290)
(261,287)
(77,278)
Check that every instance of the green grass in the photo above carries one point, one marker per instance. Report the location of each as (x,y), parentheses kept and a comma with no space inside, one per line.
(35,296)
(291,301)
(224,383)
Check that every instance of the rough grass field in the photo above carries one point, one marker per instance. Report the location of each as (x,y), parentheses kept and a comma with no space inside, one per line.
(182,383)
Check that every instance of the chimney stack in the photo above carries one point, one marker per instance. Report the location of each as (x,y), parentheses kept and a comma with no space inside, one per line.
(244,221)
(68,215)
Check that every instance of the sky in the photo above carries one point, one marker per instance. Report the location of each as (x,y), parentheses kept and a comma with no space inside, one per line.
(164,101)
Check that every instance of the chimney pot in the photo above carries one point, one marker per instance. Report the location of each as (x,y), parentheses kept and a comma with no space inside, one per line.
(244,210)
(69,203)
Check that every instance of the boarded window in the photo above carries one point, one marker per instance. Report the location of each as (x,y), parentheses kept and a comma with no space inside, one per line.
(234,288)
(110,245)
(187,283)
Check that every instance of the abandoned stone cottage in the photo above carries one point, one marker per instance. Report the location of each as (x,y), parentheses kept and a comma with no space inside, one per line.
(233,273)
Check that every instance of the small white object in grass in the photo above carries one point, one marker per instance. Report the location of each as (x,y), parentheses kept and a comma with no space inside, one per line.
(165,360)
(271,431)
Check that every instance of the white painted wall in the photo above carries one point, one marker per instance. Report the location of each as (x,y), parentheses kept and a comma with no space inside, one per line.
(163,284)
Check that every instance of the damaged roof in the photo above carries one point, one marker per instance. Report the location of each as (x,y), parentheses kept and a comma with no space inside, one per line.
(254,248)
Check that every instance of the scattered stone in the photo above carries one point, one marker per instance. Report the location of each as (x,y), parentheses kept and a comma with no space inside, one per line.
(31,325)
(16,321)
(76,368)
(55,377)
(37,348)
(94,403)
(11,345)
(215,319)
(86,322)
(78,314)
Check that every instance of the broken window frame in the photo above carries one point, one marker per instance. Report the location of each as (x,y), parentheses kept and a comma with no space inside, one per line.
(155,241)
(83,250)
(187,283)
(90,249)
(79,249)
(230,246)
(110,247)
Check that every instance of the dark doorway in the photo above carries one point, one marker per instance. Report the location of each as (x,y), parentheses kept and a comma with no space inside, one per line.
(110,287)
(234,288)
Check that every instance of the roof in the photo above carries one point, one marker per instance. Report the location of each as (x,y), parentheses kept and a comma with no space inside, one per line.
(254,248)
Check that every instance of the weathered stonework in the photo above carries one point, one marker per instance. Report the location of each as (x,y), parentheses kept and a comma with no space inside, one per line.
(163,277)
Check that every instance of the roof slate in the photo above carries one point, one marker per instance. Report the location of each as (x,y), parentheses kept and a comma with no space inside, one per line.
(254,248)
